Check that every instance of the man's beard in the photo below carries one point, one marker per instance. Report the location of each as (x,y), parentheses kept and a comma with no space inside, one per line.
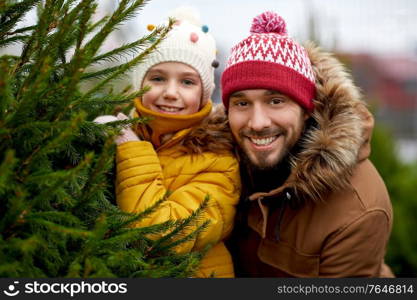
(263,178)
(266,177)
(287,153)
(262,164)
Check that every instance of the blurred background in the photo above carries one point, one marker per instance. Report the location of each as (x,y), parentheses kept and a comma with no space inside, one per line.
(375,39)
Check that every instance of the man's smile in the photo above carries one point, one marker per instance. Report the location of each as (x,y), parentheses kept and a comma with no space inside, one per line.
(263,141)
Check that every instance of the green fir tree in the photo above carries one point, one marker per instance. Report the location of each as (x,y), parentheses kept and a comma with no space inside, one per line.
(401,181)
(57,211)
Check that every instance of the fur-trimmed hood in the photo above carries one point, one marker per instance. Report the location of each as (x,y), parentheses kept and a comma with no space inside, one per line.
(213,134)
(341,138)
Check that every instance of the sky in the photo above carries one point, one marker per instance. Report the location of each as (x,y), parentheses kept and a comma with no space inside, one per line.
(375,26)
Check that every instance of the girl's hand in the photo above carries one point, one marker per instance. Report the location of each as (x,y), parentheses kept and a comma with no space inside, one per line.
(126,134)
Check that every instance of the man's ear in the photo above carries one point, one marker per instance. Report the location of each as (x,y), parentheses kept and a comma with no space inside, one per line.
(306,115)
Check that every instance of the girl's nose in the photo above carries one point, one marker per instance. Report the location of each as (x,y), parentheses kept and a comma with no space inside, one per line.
(171,91)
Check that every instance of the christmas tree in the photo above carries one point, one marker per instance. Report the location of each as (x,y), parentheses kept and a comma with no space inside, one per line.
(57,211)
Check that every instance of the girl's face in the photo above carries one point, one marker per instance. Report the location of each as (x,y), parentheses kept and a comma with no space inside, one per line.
(176,89)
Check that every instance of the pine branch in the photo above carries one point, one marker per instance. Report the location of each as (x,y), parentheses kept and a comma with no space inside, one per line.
(84,18)
(57,212)
(7,168)
(163,245)
(44,57)
(128,237)
(93,45)
(113,100)
(6,91)
(57,217)
(132,63)
(12,14)
(92,27)
(48,186)
(91,48)
(185,268)
(65,29)
(130,48)
(101,73)
(22,30)
(14,40)
(94,177)
(68,231)
(55,143)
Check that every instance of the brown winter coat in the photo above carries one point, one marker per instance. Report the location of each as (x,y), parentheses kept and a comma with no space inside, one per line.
(343,225)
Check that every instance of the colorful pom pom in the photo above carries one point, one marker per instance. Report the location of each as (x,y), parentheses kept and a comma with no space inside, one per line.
(205,28)
(193,37)
(150,27)
(269,22)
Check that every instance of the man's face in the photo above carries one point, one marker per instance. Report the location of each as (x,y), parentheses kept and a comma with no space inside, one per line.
(266,124)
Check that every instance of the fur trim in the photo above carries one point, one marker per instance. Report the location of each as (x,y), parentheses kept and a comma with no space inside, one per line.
(212,134)
(330,149)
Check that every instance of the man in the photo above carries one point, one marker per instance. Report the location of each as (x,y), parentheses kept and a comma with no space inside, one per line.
(313,205)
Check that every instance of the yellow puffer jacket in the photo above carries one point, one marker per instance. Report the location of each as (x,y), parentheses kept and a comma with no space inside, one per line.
(193,163)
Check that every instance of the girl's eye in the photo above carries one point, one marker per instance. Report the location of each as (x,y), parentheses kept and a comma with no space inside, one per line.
(157,78)
(188,82)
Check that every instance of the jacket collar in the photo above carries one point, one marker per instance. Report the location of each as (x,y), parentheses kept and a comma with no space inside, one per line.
(161,124)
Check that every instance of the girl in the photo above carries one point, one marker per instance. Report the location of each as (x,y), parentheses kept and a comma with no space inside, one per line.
(183,149)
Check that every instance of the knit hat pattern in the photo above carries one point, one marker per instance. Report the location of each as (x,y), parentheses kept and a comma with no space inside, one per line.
(188,42)
(269,59)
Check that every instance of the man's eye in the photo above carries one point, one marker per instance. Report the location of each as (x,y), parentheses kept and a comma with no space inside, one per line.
(240,103)
(277,100)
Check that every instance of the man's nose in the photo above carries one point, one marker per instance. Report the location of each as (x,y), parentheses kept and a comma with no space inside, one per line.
(259,118)
(171,90)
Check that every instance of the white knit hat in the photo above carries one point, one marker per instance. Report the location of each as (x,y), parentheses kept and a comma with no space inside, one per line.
(188,42)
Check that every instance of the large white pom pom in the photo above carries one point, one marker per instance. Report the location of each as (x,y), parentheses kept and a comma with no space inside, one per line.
(186,13)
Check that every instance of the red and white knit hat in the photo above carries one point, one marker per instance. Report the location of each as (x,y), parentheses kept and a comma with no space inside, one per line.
(270,59)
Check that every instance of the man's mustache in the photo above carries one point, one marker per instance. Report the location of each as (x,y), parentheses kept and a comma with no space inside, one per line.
(267,132)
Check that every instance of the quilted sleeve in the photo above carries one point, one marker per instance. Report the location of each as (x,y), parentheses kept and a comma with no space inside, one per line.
(140,184)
